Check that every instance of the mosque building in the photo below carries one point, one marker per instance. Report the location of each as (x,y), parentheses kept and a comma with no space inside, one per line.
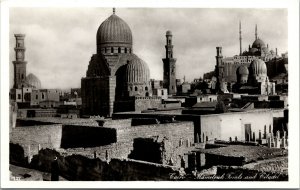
(117,79)
(255,67)
(27,89)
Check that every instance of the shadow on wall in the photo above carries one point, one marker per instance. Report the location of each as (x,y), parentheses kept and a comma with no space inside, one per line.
(17,155)
(83,136)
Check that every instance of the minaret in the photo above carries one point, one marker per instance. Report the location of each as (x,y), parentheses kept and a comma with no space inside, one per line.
(240,38)
(169,81)
(255,31)
(218,71)
(20,63)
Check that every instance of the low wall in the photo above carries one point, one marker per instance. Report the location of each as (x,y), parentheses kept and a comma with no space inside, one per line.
(114,150)
(80,168)
(173,131)
(48,136)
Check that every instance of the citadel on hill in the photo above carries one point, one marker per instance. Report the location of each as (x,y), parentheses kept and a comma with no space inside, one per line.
(122,125)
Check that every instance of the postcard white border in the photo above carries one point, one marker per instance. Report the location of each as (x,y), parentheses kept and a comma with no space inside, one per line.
(293,50)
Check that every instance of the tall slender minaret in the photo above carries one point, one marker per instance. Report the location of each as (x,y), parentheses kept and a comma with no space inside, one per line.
(20,63)
(240,38)
(169,81)
(255,31)
(218,69)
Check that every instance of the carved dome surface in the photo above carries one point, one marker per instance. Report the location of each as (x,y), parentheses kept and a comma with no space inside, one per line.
(258,67)
(258,43)
(242,70)
(112,31)
(33,81)
(137,71)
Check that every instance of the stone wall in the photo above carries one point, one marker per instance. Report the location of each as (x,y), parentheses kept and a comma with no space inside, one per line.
(81,168)
(175,132)
(114,150)
(43,135)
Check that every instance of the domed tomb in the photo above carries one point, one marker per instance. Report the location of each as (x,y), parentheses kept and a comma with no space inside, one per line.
(137,77)
(33,81)
(258,70)
(114,36)
(242,74)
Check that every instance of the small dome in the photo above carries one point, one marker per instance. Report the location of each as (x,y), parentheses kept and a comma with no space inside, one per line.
(258,43)
(33,81)
(242,70)
(258,67)
(137,71)
(169,33)
(253,50)
(114,31)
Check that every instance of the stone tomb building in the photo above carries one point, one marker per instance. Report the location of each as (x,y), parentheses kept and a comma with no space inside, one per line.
(116,79)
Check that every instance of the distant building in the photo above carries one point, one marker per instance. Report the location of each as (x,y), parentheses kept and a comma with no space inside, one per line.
(227,67)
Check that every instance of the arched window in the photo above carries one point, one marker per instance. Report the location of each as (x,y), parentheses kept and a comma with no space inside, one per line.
(147,94)
(135,88)
(112,50)
(129,50)
(146,88)
(131,88)
(119,50)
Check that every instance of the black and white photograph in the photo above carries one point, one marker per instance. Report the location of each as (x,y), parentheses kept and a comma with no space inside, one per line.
(149,93)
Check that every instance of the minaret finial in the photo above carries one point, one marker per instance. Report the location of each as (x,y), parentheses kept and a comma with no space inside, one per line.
(255,31)
(114,10)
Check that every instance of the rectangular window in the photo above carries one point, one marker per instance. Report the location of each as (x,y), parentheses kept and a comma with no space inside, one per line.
(19,96)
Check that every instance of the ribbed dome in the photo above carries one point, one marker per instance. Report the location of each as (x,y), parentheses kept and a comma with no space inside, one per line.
(33,81)
(258,43)
(137,71)
(113,31)
(258,67)
(242,70)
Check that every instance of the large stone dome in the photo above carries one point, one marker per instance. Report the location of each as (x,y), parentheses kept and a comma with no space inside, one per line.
(33,81)
(114,32)
(258,43)
(137,71)
(258,67)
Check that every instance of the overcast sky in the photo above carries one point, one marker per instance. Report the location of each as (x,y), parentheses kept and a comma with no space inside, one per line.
(60,41)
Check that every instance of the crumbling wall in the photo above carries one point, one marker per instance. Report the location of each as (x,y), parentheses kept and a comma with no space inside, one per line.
(114,150)
(81,168)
